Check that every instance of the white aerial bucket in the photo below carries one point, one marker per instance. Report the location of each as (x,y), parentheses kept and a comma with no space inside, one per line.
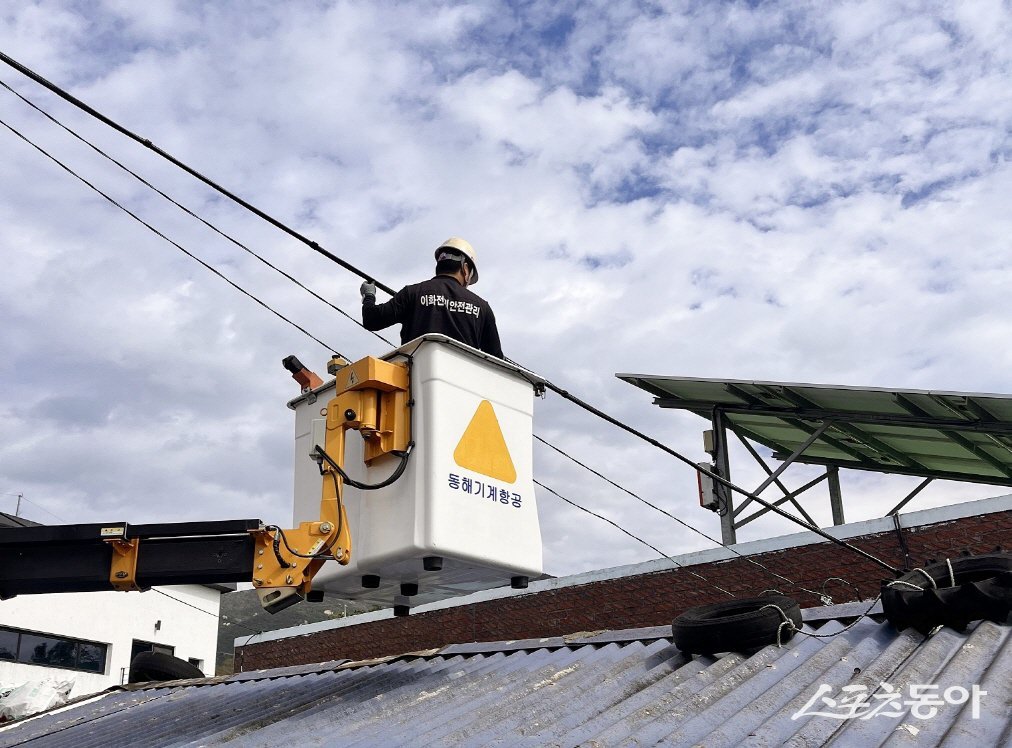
(463,515)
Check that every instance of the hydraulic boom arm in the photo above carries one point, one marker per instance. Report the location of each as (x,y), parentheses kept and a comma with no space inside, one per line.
(372,398)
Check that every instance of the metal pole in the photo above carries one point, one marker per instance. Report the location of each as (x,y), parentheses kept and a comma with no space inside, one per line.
(723,462)
(835,495)
(17,509)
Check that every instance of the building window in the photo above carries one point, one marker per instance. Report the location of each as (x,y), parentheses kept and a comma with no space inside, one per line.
(32,648)
(197,663)
(142,646)
(8,645)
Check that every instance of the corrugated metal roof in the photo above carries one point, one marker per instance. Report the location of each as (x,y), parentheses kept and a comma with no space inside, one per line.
(597,688)
(11,520)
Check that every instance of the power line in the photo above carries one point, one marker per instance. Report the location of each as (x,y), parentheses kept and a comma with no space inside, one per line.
(183,602)
(216,616)
(635,537)
(39,506)
(187,210)
(548,384)
(716,478)
(679,520)
(170,241)
(23,498)
(66,96)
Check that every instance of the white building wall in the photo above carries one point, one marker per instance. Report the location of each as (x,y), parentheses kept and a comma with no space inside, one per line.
(115,619)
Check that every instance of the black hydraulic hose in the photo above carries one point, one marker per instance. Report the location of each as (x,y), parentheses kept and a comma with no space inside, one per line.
(279,536)
(189,170)
(368,486)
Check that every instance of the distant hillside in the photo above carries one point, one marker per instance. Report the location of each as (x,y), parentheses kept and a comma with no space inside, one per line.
(242,615)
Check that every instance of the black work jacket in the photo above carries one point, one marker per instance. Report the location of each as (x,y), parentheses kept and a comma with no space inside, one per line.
(441,305)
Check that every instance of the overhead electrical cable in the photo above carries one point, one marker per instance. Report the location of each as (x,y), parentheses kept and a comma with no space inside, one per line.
(25,499)
(820,595)
(66,96)
(635,537)
(158,233)
(187,210)
(221,617)
(716,478)
(565,394)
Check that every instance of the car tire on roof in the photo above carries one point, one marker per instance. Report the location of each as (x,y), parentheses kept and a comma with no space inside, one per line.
(736,625)
(158,666)
(977,588)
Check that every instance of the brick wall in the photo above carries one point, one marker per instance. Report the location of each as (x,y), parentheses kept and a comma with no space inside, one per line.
(641,600)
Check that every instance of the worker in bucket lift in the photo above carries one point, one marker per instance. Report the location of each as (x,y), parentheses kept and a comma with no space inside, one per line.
(442,304)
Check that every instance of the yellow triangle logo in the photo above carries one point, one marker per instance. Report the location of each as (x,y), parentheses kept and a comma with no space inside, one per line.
(482,448)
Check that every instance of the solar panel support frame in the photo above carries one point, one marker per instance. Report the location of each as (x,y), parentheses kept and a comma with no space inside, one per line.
(940,435)
(722,462)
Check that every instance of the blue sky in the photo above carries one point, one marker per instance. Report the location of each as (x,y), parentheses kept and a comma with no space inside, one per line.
(811,192)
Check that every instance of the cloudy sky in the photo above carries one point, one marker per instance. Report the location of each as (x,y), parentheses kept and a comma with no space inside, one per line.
(804,192)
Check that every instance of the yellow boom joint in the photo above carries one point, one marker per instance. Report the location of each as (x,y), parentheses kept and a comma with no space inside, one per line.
(372,397)
(123,568)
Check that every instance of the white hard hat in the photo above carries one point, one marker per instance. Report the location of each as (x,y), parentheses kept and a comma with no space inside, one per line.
(457,246)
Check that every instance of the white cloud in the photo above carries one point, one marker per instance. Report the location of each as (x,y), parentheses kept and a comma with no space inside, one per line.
(786,192)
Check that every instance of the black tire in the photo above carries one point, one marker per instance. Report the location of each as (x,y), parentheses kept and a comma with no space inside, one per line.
(983,591)
(157,666)
(736,625)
